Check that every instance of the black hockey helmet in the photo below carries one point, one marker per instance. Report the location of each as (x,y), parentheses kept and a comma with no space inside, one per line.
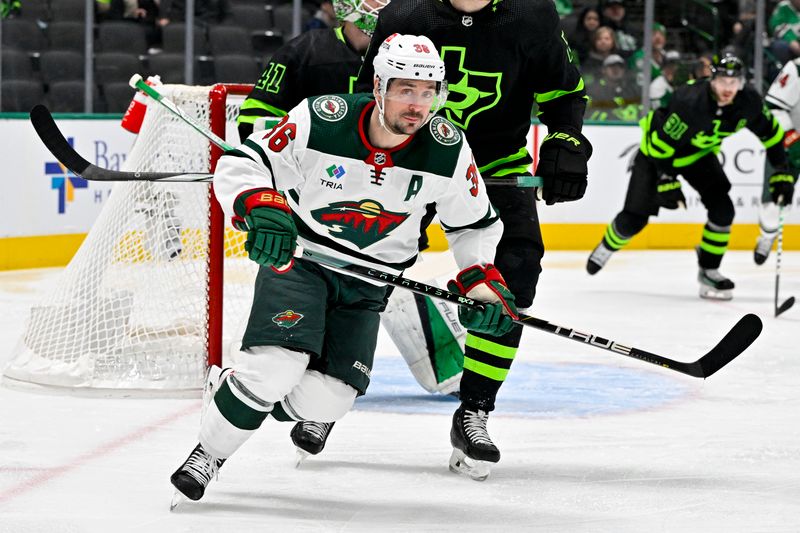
(728,65)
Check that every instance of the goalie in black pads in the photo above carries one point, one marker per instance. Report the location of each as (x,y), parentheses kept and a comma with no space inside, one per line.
(684,139)
(358,173)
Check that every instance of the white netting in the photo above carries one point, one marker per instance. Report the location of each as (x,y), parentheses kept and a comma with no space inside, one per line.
(130,311)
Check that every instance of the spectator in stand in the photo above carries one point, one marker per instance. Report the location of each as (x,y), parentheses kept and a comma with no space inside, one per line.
(613,15)
(581,38)
(323,19)
(662,87)
(603,45)
(143,12)
(784,25)
(636,61)
(9,9)
(614,95)
(205,11)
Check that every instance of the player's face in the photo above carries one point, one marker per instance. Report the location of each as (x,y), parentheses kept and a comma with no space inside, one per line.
(408,104)
(725,89)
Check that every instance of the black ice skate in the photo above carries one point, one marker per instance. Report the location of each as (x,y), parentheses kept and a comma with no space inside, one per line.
(713,285)
(473,449)
(310,438)
(598,258)
(763,247)
(193,476)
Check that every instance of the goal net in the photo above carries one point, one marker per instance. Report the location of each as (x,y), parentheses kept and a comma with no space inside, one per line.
(142,304)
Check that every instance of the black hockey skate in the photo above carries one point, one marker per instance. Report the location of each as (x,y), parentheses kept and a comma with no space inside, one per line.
(713,285)
(194,475)
(310,438)
(763,247)
(598,258)
(473,449)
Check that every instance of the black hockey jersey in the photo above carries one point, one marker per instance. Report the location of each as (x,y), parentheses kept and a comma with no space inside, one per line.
(693,126)
(313,63)
(498,61)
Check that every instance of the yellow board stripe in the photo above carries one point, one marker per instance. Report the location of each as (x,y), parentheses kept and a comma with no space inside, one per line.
(57,250)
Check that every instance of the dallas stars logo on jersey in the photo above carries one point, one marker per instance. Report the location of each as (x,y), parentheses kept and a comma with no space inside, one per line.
(362,223)
(479,91)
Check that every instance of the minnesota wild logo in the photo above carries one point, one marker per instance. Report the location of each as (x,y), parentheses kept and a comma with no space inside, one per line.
(471,91)
(329,107)
(444,132)
(287,319)
(362,223)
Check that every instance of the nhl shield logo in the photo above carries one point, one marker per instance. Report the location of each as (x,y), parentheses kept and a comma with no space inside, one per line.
(329,107)
(287,319)
(466,20)
(444,132)
(380,158)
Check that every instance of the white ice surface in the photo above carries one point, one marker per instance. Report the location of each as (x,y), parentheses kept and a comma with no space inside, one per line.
(591,441)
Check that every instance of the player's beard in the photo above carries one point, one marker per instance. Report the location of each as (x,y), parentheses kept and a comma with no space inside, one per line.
(399,126)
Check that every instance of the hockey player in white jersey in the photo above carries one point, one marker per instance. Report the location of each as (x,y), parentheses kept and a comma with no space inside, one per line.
(783,99)
(357,172)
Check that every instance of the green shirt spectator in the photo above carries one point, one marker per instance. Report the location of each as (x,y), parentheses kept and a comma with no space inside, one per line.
(784,24)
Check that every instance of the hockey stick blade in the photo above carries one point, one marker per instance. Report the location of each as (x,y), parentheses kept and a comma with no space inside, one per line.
(785,306)
(734,343)
(47,130)
(738,339)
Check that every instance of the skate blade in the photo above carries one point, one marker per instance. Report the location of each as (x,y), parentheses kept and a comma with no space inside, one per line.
(177,499)
(713,294)
(300,457)
(466,466)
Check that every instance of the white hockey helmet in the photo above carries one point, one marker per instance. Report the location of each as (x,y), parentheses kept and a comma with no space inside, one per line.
(362,13)
(411,57)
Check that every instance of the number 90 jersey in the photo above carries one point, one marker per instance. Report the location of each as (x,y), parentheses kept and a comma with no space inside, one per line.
(361,203)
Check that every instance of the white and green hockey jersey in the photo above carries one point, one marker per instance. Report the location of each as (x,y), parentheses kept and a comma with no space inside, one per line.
(360,203)
(783,96)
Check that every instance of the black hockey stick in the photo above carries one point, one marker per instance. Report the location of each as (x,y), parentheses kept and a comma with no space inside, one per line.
(47,130)
(742,335)
(785,306)
(54,140)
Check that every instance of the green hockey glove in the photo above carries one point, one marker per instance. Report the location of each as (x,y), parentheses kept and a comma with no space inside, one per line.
(670,195)
(563,159)
(791,141)
(271,232)
(485,284)
(781,187)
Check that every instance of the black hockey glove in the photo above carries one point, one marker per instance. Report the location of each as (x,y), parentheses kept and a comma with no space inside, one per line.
(562,165)
(670,195)
(781,187)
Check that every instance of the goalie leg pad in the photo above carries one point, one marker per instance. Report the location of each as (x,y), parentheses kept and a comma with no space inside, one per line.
(429,337)
(319,398)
